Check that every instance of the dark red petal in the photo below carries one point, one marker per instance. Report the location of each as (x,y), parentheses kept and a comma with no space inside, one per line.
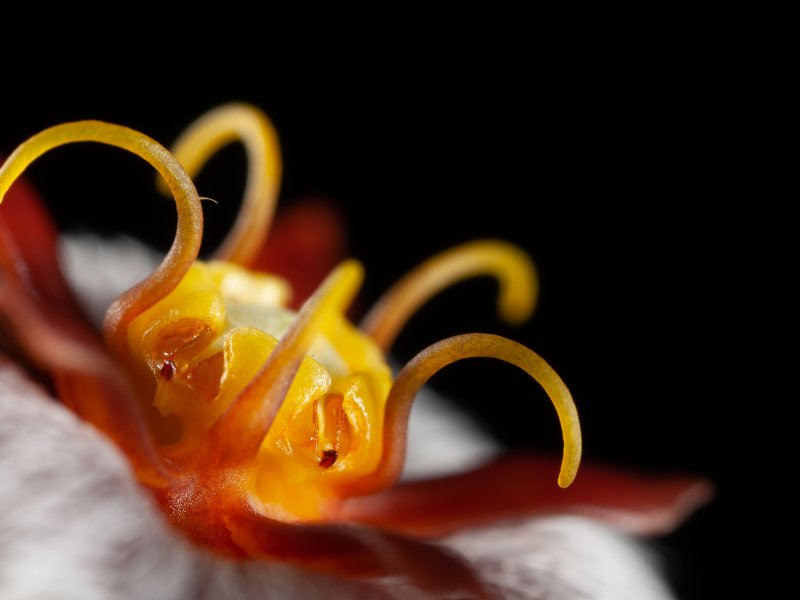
(304,245)
(355,552)
(88,381)
(516,486)
(46,325)
(29,247)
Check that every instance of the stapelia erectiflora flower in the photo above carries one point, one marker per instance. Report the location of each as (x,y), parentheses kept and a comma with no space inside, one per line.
(266,426)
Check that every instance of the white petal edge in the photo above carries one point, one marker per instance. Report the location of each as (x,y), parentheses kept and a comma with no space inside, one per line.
(563,558)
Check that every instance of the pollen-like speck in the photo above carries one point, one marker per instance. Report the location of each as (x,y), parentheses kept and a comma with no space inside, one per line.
(328,458)
(168,369)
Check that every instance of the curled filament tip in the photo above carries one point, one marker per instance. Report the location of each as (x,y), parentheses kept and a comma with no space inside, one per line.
(513,269)
(249,125)
(428,362)
(190,216)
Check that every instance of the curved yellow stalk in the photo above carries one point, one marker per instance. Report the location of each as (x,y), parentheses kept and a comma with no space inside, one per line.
(250,126)
(190,216)
(428,362)
(516,273)
(240,431)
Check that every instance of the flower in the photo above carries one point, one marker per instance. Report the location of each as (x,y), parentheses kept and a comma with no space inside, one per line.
(269,429)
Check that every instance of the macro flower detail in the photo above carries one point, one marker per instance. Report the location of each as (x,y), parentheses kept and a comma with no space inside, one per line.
(265,424)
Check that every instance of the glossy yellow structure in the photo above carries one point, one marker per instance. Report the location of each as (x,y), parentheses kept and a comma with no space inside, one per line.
(258,407)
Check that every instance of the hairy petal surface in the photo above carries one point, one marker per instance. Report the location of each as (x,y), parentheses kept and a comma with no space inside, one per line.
(100,269)
(75,524)
(562,558)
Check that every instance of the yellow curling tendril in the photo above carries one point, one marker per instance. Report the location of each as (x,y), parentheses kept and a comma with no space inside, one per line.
(474,345)
(238,122)
(190,216)
(516,273)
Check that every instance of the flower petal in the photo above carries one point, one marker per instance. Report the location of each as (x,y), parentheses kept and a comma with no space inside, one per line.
(515,486)
(75,524)
(29,248)
(563,558)
(358,552)
(100,269)
(443,440)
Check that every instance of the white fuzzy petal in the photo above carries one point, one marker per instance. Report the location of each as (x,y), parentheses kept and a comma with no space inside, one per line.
(562,558)
(100,269)
(75,525)
(442,441)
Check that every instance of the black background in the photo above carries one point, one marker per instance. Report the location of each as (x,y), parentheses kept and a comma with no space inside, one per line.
(602,150)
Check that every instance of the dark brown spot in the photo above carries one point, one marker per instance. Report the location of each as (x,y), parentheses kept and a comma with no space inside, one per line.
(168,369)
(328,458)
